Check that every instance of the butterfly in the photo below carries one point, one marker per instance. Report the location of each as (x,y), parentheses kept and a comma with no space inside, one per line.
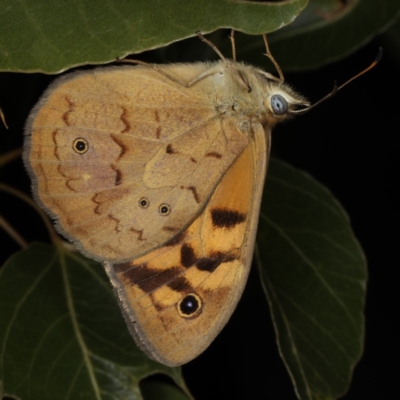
(158,173)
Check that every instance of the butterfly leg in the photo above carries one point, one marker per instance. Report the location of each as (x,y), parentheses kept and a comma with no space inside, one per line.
(232,39)
(212,45)
(209,72)
(155,68)
(233,44)
(271,57)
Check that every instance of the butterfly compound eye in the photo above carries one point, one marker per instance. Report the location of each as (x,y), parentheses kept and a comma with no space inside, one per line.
(279,104)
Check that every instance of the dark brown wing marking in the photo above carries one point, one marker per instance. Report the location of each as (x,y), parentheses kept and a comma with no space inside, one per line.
(156,116)
(170,150)
(118,174)
(194,191)
(71,106)
(54,135)
(98,204)
(149,279)
(121,144)
(125,120)
(139,234)
(210,264)
(170,229)
(180,284)
(225,218)
(117,229)
(214,154)
(68,182)
(188,257)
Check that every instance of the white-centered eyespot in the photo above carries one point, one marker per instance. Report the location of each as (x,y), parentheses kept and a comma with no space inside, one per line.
(80,146)
(144,202)
(164,209)
(190,305)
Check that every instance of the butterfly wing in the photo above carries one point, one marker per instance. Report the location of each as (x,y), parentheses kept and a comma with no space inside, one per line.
(177,298)
(124,158)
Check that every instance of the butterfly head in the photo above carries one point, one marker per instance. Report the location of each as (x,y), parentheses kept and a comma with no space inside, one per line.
(281,102)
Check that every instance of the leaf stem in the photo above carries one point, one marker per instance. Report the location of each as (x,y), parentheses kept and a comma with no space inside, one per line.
(12,232)
(22,196)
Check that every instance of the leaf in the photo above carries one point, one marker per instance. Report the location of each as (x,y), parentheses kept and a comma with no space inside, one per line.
(162,390)
(61,328)
(61,331)
(314,274)
(326,31)
(320,37)
(48,36)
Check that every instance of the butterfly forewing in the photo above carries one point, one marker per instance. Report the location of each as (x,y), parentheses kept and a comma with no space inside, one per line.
(124,158)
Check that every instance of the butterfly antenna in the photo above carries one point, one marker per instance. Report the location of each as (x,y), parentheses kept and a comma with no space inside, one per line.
(336,88)
(211,44)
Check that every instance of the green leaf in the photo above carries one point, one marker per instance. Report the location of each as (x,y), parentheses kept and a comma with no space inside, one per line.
(51,36)
(61,331)
(326,31)
(61,328)
(314,274)
(319,36)
(161,390)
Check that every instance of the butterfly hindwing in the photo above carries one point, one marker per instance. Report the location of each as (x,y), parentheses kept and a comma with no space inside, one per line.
(177,298)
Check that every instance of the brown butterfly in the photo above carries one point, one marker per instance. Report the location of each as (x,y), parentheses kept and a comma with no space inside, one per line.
(158,172)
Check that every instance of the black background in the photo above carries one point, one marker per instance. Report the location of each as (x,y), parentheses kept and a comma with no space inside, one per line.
(350,144)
